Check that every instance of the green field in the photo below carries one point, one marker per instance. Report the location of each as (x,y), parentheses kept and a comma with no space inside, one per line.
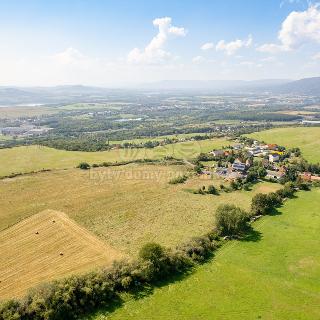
(33,158)
(4,138)
(306,138)
(125,206)
(17,112)
(272,278)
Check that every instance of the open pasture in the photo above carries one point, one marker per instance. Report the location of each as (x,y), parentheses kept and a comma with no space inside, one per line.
(34,158)
(274,275)
(306,138)
(26,111)
(125,206)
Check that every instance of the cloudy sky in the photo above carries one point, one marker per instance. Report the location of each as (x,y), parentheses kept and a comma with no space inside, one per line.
(124,42)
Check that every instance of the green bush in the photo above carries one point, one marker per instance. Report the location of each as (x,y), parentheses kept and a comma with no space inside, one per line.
(180,179)
(231,220)
(197,249)
(84,166)
(152,252)
(212,190)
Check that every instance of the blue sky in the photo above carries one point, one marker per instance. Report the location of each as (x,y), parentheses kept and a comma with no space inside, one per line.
(116,43)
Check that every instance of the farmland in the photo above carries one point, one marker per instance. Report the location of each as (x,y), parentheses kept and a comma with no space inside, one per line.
(24,112)
(47,246)
(125,206)
(34,158)
(306,138)
(273,276)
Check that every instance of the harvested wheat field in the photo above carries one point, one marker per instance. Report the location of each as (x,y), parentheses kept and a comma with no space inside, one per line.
(44,247)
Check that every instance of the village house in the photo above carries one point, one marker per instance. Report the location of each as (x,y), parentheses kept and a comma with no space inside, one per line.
(274,157)
(232,176)
(222,171)
(239,166)
(254,150)
(238,146)
(273,146)
(307,176)
(217,153)
(274,174)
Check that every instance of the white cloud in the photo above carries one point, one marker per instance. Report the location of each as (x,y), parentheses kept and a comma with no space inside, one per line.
(231,47)
(297,29)
(207,46)
(316,56)
(247,63)
(154,52)
(272,48)
(198,59)
(269,59)
(70,56)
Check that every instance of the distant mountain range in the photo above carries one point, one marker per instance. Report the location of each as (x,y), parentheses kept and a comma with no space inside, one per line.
(307,86)
(214,85)
(53,95)
(79,93)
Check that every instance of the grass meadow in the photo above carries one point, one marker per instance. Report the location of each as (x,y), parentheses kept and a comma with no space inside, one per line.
(26,111)
(34,158)
(306,138)
(125,206)
(273,274)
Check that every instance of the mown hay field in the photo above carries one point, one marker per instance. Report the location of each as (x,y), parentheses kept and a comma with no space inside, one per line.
(306,138)
(125,206)
(274,275)
(47,246)
(34,158)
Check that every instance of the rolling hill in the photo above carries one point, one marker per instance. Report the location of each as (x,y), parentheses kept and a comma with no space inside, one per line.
(307,86)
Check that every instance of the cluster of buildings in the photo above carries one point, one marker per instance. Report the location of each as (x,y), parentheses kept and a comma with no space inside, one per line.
(24,131)
(262,150)
(238,169)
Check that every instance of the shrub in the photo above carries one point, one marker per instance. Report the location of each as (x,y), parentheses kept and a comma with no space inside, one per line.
(274,199)
(84,166)
(234,185)
(303,186)
(198,169)
(180,179)
(152,252)
(212,190)
(230,220)
(197,249)
(246,186)
(201,190)
(10,310)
